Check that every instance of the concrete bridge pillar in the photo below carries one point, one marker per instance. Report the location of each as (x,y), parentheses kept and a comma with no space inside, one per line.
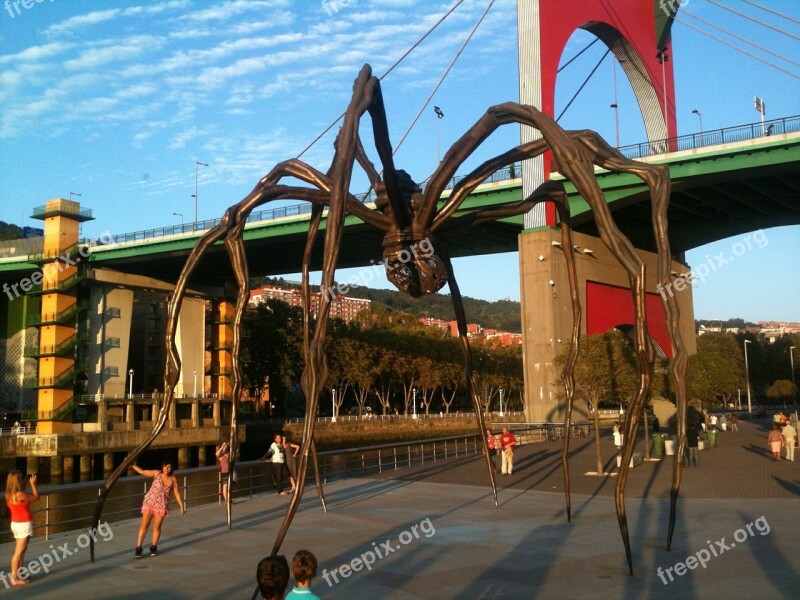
(56,470)
(86,467)
(108,464)
(173,413)
(69,469)
(154,411)
(32,464)
(196,413)
(184,458)
(130,417)
(202,456)
(102,414)
(217,413)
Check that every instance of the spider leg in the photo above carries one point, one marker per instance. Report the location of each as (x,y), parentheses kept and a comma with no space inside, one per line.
(658,180)
(316,367)
(469,373)
(316,216)
(478,175)
(263,192)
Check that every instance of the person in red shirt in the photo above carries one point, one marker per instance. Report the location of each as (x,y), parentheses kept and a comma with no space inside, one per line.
(493,447)
(18,501)
(508,444)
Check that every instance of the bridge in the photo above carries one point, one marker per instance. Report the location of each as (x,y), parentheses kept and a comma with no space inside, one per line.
(725,182)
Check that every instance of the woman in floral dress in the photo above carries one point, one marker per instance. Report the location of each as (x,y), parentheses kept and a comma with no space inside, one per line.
(156,504)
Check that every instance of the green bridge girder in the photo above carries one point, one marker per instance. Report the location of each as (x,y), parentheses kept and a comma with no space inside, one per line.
(717,192)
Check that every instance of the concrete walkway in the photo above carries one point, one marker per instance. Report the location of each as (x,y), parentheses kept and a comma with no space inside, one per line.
(447,540)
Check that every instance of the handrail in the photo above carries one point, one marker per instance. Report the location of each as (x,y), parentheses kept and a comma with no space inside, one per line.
(252,478)
(714,137)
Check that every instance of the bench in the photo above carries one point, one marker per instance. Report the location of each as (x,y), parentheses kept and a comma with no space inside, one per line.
(636,460)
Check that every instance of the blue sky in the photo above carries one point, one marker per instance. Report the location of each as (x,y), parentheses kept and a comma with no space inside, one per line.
(117,100)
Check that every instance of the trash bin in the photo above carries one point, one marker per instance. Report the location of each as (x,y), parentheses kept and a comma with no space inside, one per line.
(711,437)
(658,444)
(670,446)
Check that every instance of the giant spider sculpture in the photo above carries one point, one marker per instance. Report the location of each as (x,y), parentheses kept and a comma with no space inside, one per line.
(408,216)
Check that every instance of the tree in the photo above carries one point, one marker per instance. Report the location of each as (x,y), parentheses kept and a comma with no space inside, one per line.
(605,370)
(716,372)
(273,347)
(781,389)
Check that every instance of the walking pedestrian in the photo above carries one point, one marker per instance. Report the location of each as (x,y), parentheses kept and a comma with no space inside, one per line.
(734,422)
(275,455)
(491,442)
(789,436)
(18,502)
(290,451)
(223,454)
(156,504)
(508,444)
(692,443)
(775,441)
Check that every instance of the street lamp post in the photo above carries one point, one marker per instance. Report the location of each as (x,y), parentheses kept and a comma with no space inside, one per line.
(197,164)
(195,384)
(414,410)
(791,363)
(181,216)
(747,374)
(501,402)
(697,112)
(130,383)
(333,405)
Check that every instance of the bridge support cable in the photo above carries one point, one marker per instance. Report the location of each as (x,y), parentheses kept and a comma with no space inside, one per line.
(583,85)
(389,70)
(774,12)
(574,58)
(754,20)
(738,37)
(745,52)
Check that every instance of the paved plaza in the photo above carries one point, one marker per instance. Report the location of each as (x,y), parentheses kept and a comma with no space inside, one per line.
(738,519)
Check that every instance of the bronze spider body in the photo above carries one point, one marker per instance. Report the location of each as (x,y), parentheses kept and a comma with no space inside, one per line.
(408,216)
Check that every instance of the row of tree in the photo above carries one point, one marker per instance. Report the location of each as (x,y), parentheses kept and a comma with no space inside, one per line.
(607,370)
(387,360)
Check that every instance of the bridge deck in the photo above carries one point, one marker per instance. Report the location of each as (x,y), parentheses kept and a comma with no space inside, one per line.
(523,549)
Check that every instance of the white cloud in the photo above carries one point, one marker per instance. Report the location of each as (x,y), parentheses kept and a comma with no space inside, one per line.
(92,18)
(137,91)
(118,52)
(227,10)
(36,53)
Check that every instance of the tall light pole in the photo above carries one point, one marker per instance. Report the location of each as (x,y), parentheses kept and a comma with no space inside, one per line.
(414,410)
(195,384)
(747,374)
(179,215)
(333,405)
(197,164)
(615,105)
(501,402)
(71,194)
(130,383)
(439,116)
(697,112)
(794,399)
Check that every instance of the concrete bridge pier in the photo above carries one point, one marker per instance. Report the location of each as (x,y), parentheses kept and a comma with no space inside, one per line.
(202,456)
(56,470)
(32,464)
(108,464)
(86,467)
(69,469)
(184,458)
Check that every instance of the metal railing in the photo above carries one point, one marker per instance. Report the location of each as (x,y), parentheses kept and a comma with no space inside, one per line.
(248,417)
(69,507)
(714,137)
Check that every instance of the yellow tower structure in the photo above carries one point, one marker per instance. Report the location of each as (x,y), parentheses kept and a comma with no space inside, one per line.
(58,324)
